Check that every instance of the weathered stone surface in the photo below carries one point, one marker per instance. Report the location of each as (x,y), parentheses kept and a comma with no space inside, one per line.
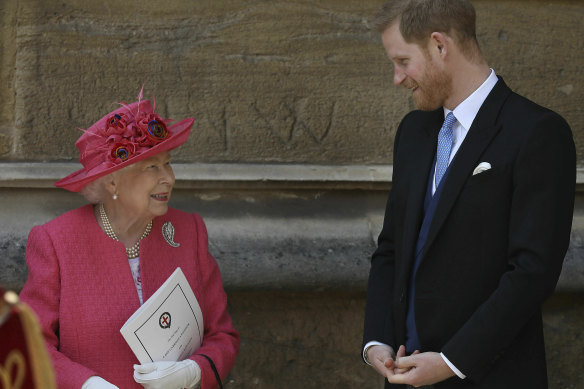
(266,81)
(8,20)
(299,340)
(572,277)
(14,270)
(5,142)
(278,81)
(563,317)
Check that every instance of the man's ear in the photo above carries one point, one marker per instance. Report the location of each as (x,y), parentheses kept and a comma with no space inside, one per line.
(439,44)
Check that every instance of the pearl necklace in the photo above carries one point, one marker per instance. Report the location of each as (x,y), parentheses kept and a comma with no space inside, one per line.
(131,252)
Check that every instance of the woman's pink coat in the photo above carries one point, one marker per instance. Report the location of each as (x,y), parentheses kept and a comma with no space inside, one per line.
(81,288)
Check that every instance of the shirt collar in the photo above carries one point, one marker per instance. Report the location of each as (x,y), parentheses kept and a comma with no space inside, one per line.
(466,111)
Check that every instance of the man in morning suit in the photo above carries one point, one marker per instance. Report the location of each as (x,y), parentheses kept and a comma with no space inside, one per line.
(478,219)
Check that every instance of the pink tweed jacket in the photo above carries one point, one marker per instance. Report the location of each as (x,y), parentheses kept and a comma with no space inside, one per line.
(81,287)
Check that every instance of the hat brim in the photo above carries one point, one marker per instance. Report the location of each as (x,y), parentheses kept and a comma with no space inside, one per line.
(179,133)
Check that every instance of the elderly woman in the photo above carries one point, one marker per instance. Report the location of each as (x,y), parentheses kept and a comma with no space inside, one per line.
(92,267)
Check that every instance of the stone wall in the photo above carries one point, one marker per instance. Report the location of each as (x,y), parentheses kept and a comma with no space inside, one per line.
(267,81)
(288,161)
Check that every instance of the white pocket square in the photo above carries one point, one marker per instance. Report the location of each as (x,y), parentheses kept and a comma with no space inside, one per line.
(481,167)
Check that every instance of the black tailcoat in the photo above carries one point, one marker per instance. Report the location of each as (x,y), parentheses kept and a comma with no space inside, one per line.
(495,247)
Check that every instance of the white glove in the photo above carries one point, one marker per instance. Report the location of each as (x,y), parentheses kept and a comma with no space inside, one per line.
(168,375)
(95,382)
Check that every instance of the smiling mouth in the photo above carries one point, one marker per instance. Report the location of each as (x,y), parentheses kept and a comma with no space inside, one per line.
(160,196)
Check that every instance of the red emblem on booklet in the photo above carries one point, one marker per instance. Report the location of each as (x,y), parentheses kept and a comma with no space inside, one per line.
(164,320)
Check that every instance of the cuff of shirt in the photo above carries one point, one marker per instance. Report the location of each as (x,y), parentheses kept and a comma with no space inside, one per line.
(369,344)
(451,366)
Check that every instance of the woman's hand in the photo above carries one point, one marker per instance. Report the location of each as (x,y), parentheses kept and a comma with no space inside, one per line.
(95,382)
(168,375)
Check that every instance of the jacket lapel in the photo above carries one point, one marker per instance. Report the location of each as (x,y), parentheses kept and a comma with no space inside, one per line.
(480,134)
(418,182)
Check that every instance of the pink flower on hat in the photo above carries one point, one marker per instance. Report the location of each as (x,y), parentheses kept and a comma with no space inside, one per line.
(121,151)
(151,130)
(157,131)
(128,135)
(116,128)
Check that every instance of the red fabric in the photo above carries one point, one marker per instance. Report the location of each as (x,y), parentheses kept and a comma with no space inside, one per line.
(81,287)
(14,358)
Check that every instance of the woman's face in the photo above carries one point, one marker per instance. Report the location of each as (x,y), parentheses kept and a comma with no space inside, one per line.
(144,189)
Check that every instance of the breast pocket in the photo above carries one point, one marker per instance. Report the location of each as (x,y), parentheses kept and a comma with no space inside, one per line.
(488,187)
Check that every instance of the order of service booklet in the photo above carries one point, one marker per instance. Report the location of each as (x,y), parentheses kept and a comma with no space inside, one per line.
(169,325)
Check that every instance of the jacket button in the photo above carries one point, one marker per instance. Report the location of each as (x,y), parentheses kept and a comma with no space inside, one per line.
(402,297)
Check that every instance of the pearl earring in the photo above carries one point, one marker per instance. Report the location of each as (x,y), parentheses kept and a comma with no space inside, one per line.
(115,196)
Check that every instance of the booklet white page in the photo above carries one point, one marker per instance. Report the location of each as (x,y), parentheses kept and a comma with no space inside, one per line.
(169,325)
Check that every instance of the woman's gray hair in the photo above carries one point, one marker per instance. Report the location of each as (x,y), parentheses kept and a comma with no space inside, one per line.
(95,191)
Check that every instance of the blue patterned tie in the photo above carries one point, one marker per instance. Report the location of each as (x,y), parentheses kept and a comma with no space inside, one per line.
(444,147)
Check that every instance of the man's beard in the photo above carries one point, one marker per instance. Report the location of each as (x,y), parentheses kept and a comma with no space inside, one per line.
(433,89)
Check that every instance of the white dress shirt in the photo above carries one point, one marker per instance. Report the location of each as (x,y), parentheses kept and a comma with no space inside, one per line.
(465,114)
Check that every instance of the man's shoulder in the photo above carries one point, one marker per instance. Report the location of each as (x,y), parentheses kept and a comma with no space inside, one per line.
(522,103)
(520,109)
(523,121)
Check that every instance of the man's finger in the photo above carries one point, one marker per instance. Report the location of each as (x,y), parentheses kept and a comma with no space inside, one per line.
(397,379)
(401,352)
(406,362)
(389,363)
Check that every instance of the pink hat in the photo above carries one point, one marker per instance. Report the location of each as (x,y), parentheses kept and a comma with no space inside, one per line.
(125,136)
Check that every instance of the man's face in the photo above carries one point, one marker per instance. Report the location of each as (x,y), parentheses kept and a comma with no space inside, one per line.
(417,70)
